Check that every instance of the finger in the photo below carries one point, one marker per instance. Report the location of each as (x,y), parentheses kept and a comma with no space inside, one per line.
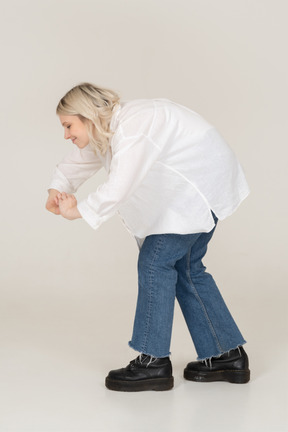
(62,196)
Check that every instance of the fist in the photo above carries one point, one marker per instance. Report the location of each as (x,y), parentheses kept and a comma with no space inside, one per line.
(68,206)
(52,203)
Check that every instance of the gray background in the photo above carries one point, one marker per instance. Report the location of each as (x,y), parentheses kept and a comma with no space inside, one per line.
(68,292)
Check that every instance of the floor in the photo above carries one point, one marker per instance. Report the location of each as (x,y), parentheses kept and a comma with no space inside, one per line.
(52,379)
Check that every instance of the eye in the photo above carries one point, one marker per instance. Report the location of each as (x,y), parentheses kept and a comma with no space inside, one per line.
(68,127)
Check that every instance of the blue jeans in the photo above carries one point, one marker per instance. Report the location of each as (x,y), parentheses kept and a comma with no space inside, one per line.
(170,266)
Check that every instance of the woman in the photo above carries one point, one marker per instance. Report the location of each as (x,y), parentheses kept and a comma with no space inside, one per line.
(171,177)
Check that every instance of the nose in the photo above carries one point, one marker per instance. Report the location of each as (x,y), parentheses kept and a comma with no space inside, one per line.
(66,134)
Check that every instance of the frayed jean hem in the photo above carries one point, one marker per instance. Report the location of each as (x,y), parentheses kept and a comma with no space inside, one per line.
(219,355)
(155,355)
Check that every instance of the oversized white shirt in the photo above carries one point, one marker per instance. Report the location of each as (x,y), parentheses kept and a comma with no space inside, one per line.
(167,169)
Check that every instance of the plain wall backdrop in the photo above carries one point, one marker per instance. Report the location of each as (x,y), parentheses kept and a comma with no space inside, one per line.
(226,60)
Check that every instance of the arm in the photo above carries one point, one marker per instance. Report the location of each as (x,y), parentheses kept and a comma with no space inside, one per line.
(129,166)
(70,173)
(74,169)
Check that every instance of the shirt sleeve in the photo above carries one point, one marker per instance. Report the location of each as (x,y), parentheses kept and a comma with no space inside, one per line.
(74,169)
(129,166)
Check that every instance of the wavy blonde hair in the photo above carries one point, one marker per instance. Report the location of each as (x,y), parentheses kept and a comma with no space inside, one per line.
(94,106)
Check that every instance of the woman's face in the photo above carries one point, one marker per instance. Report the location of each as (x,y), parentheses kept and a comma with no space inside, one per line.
(75,129)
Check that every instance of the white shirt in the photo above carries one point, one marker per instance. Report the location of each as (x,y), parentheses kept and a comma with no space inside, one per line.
(167,169)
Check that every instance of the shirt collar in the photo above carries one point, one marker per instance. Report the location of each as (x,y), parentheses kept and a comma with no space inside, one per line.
(114,118)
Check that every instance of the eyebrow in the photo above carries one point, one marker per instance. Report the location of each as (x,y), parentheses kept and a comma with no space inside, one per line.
(65,123)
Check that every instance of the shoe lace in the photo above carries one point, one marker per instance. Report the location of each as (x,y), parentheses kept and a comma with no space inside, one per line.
(142,358)
(208,361)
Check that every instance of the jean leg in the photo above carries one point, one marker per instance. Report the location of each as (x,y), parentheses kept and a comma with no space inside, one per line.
(212,328)
(157,279)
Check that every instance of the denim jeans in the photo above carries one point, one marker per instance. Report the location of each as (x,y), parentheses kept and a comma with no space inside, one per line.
(170,266)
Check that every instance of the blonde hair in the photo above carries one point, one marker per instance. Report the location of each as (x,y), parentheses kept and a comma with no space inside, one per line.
(94,104)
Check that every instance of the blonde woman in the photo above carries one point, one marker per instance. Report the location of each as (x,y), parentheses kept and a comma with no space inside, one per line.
(171,177)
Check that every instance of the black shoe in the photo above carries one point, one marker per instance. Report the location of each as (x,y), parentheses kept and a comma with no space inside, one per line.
(232,367)
(143,373)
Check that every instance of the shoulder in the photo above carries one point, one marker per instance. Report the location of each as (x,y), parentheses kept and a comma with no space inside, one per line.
(158,118)
(135,117)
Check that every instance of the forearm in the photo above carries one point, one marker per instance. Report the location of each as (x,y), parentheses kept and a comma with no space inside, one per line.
(75,169)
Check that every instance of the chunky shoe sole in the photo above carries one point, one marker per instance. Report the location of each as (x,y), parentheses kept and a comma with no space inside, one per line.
(232,376)
(158,384)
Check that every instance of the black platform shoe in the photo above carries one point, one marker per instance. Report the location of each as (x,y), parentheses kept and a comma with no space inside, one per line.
(232,367)
(143,373)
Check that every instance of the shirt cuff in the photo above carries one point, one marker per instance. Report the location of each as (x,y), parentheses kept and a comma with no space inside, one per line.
(89,215)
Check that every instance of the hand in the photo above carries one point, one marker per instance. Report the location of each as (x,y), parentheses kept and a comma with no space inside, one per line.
(52,203)
(68,206)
